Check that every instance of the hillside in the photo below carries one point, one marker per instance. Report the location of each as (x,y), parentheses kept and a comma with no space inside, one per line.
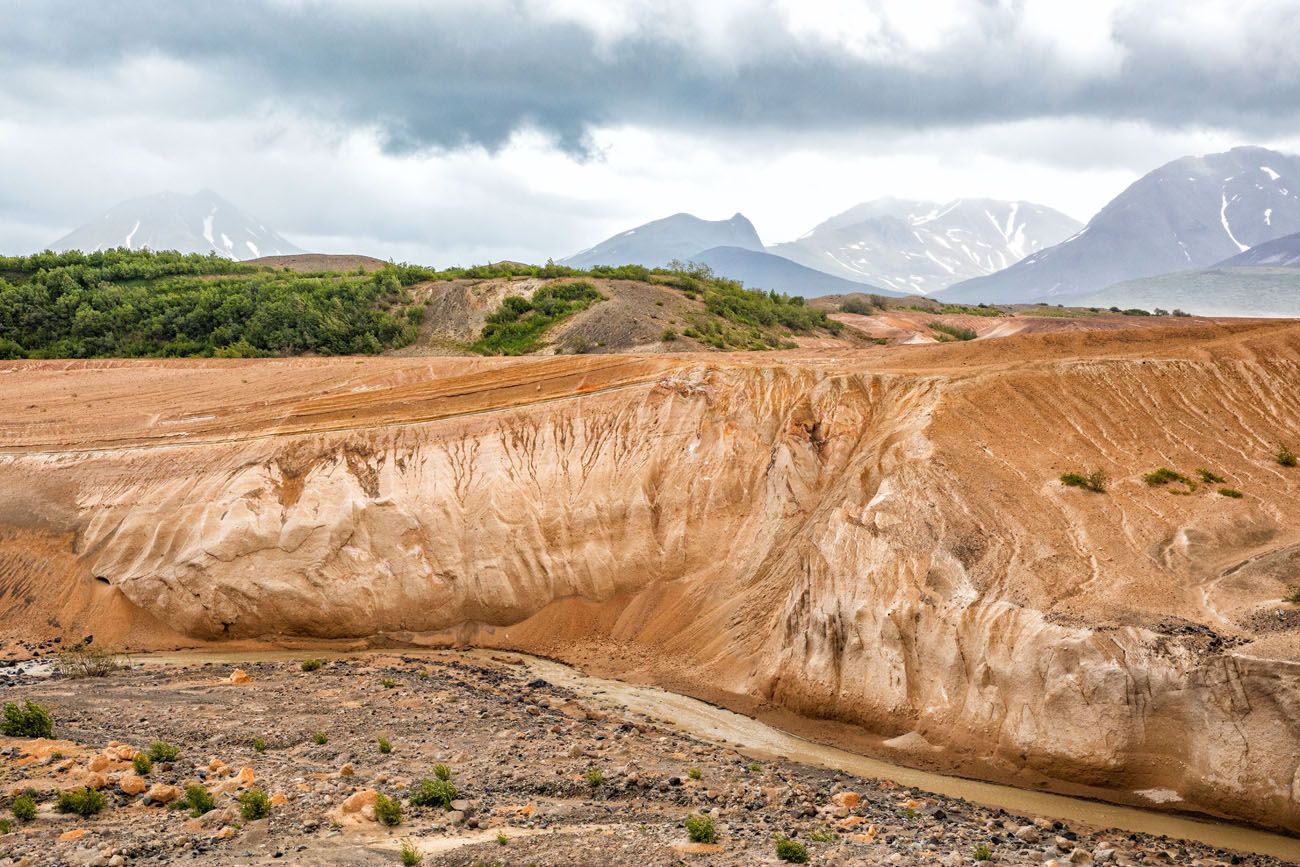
(1218,291)
(1188,214)
(766,271)
(875,540)
(1281,252)
(922,247)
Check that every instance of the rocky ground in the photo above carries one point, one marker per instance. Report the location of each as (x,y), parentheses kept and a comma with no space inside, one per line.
(542,779)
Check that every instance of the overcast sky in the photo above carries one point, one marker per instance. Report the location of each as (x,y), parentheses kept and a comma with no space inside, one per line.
(457,132)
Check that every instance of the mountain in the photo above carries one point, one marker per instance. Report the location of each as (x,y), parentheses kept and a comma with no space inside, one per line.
(199,223)
(656,244)
(759,270)
(1187,214)
(914,246)
(1281,252)
(1241,291)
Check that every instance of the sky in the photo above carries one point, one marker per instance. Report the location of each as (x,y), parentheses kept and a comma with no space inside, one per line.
(465,131)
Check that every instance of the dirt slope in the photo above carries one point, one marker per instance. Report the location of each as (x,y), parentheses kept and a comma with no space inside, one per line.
(874,538)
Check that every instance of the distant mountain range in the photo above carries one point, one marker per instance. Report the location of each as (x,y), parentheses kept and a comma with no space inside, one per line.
(1281,252)
(767,271)
(1188,214)
(199,223)
(656,244)
(923,247)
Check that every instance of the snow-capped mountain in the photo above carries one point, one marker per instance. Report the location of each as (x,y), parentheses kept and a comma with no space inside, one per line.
(922,247)
(1185,215)
(199,223)
(677,237)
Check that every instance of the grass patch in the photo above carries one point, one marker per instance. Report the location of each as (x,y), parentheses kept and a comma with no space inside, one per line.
(695,773)
(433,793)
(954,331)
(320,739)
(982,852)
(967,310)
(83,802)
(701,829)
(161,751)
(791,851)
(502,839)
(254,804)
(1209,477)
(411,856)
(1286,457)
(388,683)
(1232,493)
(30,720)
(822,835)
(311,664)
(517,326)
(1292,595)
(1094,481)
(1164,476)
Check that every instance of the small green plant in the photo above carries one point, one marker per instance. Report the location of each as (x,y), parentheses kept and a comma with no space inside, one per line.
(1095,481)
(24,808)
(311,664)
(983,852)
(822,835)
(433,793)
(161,751)
(199,800)
(701,829)
(1230,492)
(791,850)
(29,721)
(254,804)
(411,856)
(388,683)
(1164,476)
(85,802)
(755,768)
(6,826)
(142,764)
(320,738)
(385,745)
(953,330)
(1209,476)
(595,778)
(442,772)
(1286,457)
(1292,595)
(81,660)
(388,811)
(668,336)
(694,773)
(259,745)
(56,756)
(502,839)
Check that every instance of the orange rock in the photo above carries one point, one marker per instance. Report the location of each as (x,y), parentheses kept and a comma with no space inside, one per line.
(865,837)
(359,800)
(162,793)
(74,834)
(850,821)
(216,766)
(279,800)
(225,833)
(99,763)
(846,799)
(93,780)
(238,676)
(123,752)
(131,784)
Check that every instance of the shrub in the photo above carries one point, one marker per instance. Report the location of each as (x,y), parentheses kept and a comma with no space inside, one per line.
(433,793)
(161,751)
(791,850)
(24,808)
(442,772)
(755,768)
(1286,457)
(142,764)
(1164,476)
(502,839)
(199,800)
(694,773)
(856,305)
(81,660)
(701,829)
(311,664)
(84,802)
(1207,476)
(254,804)
(595,778)
(953,330)
(259,745)
(388,811)
(385,746)
(6,826)
(668,336)
(29,721)
(388,683)
(1230,492)
(1292,595)
(1095,481)
(411,856)
(517,326)
(822,835)
(320,738)
(983,852)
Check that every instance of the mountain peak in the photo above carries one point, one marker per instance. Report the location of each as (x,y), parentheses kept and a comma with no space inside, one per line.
(658,242)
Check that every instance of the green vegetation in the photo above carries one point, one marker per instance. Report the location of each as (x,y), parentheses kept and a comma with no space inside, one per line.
(1207,476)
(822,835)
(668,336)
(388,811)
(981,310)
(517,326)
(1164,476)
(442,772)
(320,738)
(694,773)
(502,839)
(388,683)
(433,793)
(6,826)
(254,804)
(23,808)
(161,751)
(595,778)
(858,306)
(411,856)
(955,331)
(137,303)
(259,745)
(983,852)
(701,829)
(311,664)
(142,764)
(84,802)
(791,850)
(81,660)
(1286,457)
(1230,492)
(755,768)
(199,800)
(385,745)
(1292,595)
(1095,481)
(29,721)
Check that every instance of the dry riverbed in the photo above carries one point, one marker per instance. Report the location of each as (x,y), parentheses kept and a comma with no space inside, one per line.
(543,777)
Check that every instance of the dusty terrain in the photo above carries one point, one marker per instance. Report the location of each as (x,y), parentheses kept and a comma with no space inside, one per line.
(872,542)
(520,751)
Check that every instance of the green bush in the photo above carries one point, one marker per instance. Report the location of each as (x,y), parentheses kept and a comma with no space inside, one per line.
(31,720)
(24,808)
(385,746)
(595,778)
(433,793)
(953,330)
(791,850)
(1230,492)
(388,683)
(161,751)
(701,829)
(411,856)
(254,804)
(668,336)
(6,826)
(199,800)
(442,772)
(517,326)
(311,664)
(983,852)
(1164,476)
(1209,477)
(856,306)
(142,764)
(320,738)
(84,802)
(1286,457)
(502,839)
(388,811)
(1094,481)
(694,773)
(259,745)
